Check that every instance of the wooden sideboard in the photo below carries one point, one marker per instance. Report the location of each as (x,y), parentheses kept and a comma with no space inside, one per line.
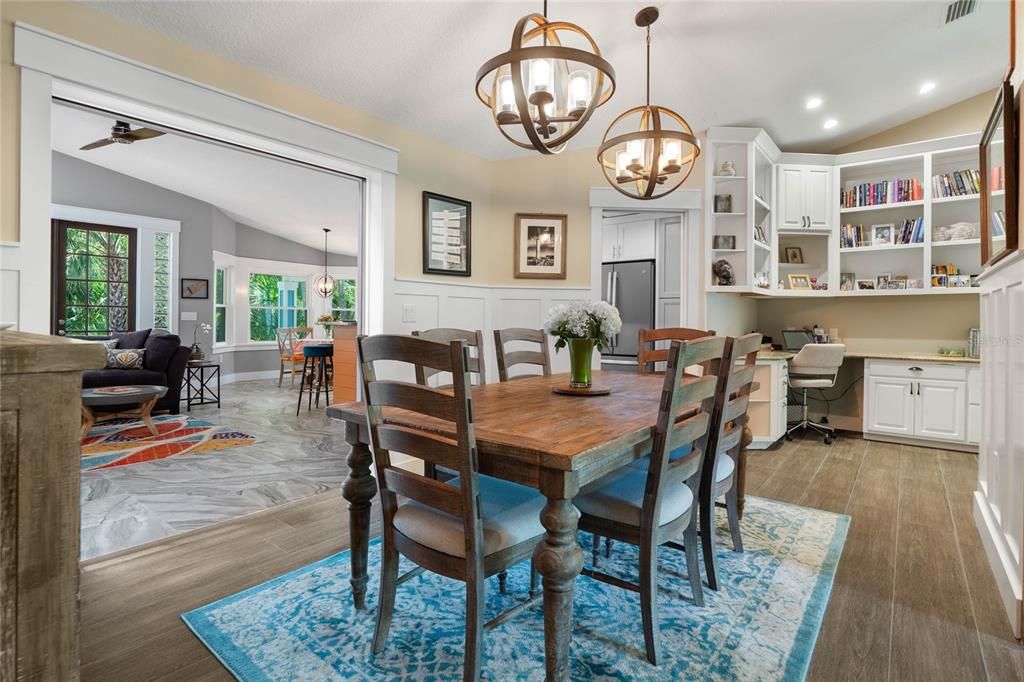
(345,377)
(40,417)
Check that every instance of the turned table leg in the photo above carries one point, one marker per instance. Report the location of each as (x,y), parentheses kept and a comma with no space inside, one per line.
(559,559)
(359,489)
(741,470)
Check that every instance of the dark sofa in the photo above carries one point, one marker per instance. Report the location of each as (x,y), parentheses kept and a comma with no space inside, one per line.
(163,364)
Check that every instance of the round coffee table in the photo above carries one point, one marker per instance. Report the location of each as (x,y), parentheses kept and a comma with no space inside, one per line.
(144,397)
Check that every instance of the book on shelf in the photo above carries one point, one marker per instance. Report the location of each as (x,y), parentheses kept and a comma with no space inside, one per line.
(911,231)
(998,223)
(957,184)
(760,234)
(895,191)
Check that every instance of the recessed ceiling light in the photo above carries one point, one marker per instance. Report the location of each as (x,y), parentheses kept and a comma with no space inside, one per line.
(926,87)
(813,102)
(831,123)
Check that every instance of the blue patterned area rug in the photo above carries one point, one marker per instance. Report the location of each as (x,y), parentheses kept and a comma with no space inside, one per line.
(761,625)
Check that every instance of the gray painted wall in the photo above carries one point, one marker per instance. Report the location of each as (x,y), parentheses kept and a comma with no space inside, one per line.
(204,228)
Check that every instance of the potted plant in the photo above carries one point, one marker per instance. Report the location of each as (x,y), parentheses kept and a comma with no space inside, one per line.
(582,326)
(197,350)
(326,321)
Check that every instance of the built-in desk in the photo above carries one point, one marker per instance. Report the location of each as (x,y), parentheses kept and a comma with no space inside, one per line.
(908,397)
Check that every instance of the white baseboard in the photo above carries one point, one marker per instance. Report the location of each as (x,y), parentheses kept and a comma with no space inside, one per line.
(922,442)
(1002,566)
(248,376)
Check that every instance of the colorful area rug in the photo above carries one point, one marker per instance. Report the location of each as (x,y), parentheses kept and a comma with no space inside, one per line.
(761,625)
(118,442)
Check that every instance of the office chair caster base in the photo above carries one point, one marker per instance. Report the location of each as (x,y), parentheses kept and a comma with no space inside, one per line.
(828,440)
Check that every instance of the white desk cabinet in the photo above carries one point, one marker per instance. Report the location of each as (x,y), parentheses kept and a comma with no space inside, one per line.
(767,407)
(927,402)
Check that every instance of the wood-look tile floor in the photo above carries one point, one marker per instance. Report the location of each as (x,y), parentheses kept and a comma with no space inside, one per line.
(914,598)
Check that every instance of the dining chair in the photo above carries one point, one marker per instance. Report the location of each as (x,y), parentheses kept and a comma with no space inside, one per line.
(719,476)
(286,338)
(647,354)
(466,529)
(507,359)
(472,339)
(654,507)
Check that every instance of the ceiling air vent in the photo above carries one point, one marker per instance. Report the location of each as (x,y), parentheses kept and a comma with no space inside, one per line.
(958,9)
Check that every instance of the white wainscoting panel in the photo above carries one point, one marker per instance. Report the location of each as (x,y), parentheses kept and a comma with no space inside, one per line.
(999,499)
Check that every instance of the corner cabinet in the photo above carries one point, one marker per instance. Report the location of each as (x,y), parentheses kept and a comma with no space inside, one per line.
(805,197)
(919,401)
(767,406)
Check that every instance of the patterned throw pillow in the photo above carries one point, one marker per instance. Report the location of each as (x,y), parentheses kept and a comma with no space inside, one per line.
(124,358)
(109,344)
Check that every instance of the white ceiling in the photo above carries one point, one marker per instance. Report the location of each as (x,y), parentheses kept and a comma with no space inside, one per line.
(285,199)
(750,63)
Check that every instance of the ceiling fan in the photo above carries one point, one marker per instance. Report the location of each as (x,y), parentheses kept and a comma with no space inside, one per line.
(122,133)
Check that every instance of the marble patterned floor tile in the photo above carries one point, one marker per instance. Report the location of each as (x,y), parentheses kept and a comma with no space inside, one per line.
(292,458)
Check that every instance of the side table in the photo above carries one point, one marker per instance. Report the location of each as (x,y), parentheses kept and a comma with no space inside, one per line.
(199,389)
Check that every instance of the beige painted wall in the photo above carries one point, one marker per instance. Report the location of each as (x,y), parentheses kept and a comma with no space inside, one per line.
(967,116)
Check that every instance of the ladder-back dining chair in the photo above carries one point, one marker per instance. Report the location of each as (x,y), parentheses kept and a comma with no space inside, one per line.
(474,340)
(647,354)
(510,358)
(465,529)
(719,476)
(289,353)
(653,507)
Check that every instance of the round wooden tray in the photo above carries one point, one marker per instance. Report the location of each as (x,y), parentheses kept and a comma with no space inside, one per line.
(568,390)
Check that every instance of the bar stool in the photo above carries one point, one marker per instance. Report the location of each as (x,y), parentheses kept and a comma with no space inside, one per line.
(317,369)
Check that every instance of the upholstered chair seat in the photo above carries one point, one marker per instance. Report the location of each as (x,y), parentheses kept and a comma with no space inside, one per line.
(724,465)
(619,496)
(510,514)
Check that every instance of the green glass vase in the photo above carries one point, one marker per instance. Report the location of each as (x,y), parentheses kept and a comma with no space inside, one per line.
(580,353)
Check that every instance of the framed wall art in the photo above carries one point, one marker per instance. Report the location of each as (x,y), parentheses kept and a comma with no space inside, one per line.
(998,159)
(540,245)
(447,229)
(195,288)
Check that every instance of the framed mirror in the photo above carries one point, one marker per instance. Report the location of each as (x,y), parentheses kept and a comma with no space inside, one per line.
(998,159)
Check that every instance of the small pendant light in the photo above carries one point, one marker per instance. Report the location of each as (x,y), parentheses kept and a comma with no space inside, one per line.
(324,284)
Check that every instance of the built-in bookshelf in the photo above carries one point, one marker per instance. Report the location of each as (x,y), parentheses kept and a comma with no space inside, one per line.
(906,219)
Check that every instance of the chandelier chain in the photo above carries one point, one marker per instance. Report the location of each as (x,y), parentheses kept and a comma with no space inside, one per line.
(648,65)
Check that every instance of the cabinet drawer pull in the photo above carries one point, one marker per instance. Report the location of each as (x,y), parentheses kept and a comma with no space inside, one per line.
(916,369)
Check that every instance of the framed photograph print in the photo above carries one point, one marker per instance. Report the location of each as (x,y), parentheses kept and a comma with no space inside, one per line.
(881,235)
(540,243)
(794,254)
(723,242)
(865,285)
(998,158)
(195,288)
(847,281)
(799,281)
(447,226)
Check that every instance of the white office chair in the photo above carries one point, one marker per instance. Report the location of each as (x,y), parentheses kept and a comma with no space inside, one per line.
(815,366)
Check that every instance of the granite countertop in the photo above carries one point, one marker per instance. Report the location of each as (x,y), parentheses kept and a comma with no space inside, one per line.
(781,355)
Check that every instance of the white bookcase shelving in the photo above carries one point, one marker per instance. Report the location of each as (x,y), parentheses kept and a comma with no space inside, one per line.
(798,201)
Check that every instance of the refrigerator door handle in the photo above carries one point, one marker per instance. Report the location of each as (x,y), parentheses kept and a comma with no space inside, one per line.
(608,287)
(615,301)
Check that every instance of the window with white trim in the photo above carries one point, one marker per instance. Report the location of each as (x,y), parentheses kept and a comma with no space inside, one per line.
(162,280)
(220,306)
(275,301)
(343,300)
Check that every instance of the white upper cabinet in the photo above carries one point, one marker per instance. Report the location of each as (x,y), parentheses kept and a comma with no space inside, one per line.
(634,240)
(805,197)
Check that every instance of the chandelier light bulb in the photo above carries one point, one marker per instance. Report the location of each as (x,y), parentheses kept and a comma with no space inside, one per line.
(541,73)
(635,148)
(671,150)
(506,95)
(622,165)
(579,90)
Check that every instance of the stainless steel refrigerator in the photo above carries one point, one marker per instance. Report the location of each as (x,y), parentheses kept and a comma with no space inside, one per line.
(629,286)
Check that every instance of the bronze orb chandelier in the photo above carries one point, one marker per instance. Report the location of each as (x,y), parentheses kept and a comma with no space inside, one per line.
(543,91)
(648,151)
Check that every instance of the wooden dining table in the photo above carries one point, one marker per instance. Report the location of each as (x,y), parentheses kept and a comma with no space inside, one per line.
(556,444)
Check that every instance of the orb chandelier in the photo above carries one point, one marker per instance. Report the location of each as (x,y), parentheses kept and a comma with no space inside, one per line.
(543,91)
(324,284)
(648,151)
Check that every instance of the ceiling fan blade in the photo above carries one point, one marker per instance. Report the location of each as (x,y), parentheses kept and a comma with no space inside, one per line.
(96,145)
(144,134)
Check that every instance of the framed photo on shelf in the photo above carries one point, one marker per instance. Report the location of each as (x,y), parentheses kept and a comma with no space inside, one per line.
(722,242)
(723,203)
(799,281)
(540,245)
(882,235)
(794,254)
(865,285)
(998,159)
(882,280)
(847,281)
(194,288)
(447,226)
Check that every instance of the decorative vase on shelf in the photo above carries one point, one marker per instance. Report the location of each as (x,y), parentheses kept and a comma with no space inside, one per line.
(197,352)
(727,169)
(581,355)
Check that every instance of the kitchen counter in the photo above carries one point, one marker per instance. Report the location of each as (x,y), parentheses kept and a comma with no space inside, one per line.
(907,356)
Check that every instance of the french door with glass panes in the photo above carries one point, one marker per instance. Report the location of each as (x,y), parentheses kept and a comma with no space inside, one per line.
(94,270)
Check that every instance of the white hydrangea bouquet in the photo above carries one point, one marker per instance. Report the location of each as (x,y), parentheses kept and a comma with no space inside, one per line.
(582,326)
